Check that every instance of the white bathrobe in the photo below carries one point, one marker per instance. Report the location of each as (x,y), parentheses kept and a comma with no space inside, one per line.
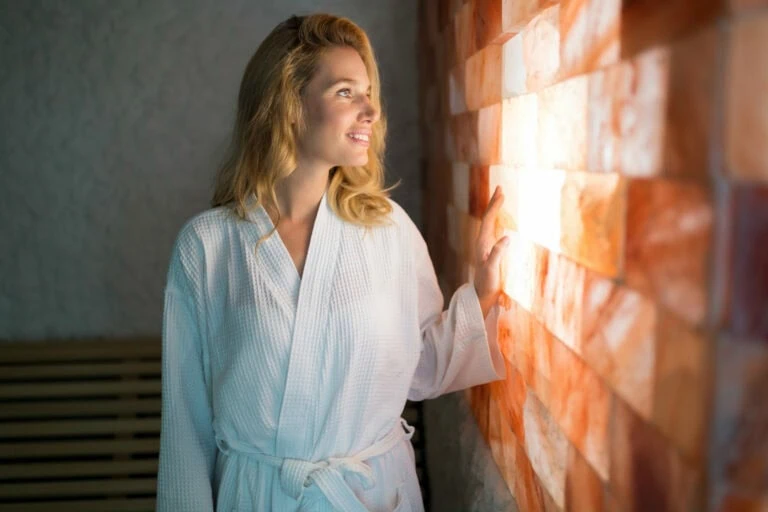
(283,392)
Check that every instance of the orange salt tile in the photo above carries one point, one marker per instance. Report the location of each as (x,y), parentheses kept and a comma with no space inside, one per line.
(592,220)
(538,345)
(478,190)
(494,439)
(589,35)
(746,118)
(669,230)
(483,77)
(507,179)
(647,473)
(464,33)
(464,130)
(608,92)
(489,133)
(561,290)
(546,447)
(541,49)
(562,125)
(583,488)
(618,339)
(531,59)
(693,78)
(488,23)
(522,263)
(513,67)
(511,400)
(529,492)
(537,201)
(580,403)
(683,377)
(517,13)
(655,22)
(518,135)
(508,455)
(528,350)
(639,110)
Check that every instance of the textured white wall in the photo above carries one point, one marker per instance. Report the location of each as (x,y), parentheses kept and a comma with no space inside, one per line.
(113,116)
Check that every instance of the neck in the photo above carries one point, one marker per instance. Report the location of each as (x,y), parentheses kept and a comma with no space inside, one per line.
(299,195)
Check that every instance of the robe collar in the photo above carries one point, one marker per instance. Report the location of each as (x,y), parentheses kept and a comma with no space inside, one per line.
(273,256)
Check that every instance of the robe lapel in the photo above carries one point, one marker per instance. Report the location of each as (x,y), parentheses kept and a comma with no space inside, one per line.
(310,294)
(274,263)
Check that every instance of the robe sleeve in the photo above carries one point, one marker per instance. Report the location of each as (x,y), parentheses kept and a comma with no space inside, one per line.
(187,443)
(460,347)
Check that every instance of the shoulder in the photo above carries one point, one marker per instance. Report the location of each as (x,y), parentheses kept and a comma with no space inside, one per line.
(198,233)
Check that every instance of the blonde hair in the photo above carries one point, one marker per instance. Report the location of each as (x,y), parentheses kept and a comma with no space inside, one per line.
(264,142)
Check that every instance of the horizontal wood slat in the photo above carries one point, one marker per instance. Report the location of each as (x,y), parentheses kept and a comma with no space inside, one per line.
(56,408)
(77,469)
(77,370)
(36,352)
(78,488)
(78,427)
(49,449)
(72,389)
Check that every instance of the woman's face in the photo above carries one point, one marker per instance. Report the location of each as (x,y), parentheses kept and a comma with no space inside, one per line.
(339,113)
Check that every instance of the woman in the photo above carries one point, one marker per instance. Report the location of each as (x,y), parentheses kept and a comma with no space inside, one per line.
(303,309)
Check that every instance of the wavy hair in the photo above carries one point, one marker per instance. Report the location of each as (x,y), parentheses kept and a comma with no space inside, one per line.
(264,141)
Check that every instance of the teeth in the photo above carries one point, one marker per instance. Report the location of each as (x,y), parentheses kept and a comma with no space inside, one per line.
(359,137)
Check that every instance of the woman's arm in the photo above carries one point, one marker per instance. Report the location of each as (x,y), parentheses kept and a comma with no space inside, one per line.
(187,445)
(459,345)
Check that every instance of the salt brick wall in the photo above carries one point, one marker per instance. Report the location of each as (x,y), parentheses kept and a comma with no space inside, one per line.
(631,141)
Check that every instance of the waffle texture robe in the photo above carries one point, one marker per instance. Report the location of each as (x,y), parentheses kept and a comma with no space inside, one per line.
(284,392)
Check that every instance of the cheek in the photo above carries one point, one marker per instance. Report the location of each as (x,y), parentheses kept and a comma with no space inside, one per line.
(334,120)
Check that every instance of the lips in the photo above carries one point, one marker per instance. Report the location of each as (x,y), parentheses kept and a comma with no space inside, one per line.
(361,138)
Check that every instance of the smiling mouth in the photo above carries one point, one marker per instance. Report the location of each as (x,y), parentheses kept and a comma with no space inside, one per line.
(360,138)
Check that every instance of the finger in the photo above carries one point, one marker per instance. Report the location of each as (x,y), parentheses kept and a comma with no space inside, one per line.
(494,258)
(488,221)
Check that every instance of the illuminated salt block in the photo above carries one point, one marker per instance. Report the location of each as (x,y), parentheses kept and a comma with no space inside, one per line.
(518,131)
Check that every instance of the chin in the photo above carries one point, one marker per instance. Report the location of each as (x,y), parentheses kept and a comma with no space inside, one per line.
(356,162)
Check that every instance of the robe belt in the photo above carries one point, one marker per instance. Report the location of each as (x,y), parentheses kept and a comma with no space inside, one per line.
(328,475)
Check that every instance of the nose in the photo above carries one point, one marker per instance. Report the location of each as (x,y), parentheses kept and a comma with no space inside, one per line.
(369,112)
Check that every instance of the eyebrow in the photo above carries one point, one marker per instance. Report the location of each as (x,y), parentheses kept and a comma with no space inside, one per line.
(340,80)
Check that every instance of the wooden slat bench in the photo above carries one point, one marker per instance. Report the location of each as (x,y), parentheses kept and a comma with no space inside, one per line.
(79,425)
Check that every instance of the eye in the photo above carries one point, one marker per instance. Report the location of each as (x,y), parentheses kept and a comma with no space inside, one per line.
(346,92)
